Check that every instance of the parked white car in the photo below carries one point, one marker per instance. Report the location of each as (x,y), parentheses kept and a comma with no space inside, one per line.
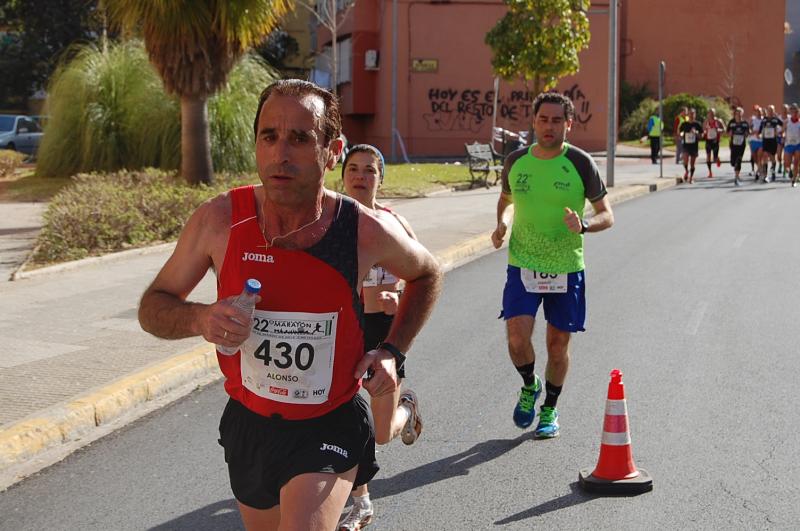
(20,133)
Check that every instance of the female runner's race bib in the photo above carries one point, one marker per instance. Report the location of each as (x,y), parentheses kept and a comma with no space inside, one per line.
(769,132)
(711,134)
(289,356)
(378,276)
(738,140)
(538,282)
(689,138)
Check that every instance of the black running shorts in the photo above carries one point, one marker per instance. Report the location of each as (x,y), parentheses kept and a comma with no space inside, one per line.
(264,453)
(770,146)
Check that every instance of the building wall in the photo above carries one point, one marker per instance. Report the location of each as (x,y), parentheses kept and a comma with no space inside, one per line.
(716,47)
(440,110)
(445,80)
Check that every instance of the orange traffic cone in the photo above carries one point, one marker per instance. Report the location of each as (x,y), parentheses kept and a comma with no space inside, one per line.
(615,472)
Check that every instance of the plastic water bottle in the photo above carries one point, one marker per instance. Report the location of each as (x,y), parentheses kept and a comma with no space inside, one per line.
(247,302)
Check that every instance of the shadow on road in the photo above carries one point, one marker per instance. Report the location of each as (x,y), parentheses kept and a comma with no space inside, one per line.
(219,516)
(575,497)
(455,465)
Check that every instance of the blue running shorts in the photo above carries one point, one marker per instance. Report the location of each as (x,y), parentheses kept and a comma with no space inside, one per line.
(755,145)
(565,311)
(791,148)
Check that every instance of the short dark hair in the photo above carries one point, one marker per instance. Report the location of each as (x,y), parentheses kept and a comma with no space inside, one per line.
(554,97)
(365,148)
(331,118)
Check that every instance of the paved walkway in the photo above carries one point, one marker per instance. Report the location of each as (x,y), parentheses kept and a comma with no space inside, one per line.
(75,357)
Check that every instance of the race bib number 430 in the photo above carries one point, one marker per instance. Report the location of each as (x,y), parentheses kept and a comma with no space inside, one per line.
(289,356)
(538,282)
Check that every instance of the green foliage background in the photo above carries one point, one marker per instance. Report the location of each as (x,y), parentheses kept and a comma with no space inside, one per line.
(539,40)
(109,111)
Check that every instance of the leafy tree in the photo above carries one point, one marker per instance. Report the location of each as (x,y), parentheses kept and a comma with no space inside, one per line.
(539,40)
(193,45)
(38,35)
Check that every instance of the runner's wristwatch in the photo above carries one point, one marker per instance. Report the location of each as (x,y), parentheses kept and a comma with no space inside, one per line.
(399,357)
(584,226)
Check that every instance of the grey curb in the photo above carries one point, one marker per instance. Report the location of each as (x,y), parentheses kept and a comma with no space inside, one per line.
(74,422)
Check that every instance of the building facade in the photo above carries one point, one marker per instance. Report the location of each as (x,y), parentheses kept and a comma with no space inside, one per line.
(445,84)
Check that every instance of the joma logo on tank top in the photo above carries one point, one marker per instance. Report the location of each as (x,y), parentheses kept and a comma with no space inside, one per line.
(258,257)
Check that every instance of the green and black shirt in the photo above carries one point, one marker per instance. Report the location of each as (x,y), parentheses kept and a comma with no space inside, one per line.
(540,189)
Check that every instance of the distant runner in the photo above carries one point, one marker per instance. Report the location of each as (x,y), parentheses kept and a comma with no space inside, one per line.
(691,130)
(738,130)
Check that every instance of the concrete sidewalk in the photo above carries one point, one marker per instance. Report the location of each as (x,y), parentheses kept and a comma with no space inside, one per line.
(77,364)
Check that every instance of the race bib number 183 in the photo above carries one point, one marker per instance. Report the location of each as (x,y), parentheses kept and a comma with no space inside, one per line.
(289,356)
(538,282)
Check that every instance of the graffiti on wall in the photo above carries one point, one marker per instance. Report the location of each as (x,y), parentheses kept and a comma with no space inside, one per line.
(454,109)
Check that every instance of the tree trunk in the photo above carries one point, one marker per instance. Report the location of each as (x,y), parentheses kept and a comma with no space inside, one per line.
(196,165)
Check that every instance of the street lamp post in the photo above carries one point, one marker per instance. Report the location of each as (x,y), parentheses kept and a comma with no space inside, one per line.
(662,66)
(611,145)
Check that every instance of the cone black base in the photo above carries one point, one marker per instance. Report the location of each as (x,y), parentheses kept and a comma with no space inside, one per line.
(638,485)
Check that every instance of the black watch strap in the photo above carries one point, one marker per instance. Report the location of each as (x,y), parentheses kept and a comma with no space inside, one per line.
(399,357)
(584,226)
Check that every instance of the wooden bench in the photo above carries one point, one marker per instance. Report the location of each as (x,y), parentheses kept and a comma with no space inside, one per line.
(482,160)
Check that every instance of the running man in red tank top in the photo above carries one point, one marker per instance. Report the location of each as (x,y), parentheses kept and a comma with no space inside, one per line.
(297,436)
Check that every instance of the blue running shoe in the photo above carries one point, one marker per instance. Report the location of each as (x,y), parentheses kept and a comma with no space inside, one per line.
(525,410)
(548,423)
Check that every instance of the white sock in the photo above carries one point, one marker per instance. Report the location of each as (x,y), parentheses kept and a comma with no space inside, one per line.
(362,501)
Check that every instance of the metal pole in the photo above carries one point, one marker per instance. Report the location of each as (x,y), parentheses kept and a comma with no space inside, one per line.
(661,68)
(494,110)
(394,79)
(612,93)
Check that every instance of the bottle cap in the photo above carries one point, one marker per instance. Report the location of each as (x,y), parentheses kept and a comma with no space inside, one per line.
(252,285)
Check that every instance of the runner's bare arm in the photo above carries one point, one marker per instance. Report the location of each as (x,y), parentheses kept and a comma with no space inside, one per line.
(389,246)
(503,217)
(603,217)
(164,310)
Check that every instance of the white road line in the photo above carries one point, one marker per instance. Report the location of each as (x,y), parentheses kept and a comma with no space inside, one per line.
(696,318)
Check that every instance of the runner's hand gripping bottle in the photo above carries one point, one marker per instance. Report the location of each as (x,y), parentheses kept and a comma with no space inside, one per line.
(246,301)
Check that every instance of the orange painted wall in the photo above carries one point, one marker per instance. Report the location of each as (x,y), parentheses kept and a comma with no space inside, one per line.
(439,111)
(695,40)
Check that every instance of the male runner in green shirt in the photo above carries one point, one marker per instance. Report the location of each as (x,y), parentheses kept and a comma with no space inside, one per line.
(548,184)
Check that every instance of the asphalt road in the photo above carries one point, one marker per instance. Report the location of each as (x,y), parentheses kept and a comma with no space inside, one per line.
(692,294)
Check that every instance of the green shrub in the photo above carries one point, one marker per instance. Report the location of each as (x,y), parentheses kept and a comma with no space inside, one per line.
(635,126)
(101,213)
(108,111)
(674,103)
(10,161)
(631,96)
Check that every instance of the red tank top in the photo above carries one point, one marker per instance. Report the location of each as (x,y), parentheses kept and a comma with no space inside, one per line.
(307,334)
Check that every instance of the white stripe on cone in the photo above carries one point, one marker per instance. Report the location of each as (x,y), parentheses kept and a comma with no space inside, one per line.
(616,439)
(616,407)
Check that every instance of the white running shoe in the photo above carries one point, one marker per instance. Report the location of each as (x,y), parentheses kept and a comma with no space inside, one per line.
(359,517)
(413,426)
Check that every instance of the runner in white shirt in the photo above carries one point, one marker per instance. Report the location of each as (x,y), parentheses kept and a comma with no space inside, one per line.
(755,141)
(791,151)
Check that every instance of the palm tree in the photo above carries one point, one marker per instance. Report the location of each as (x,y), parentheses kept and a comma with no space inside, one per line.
(193,45)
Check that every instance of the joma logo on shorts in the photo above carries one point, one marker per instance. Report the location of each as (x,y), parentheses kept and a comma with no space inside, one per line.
(258,257)
(333,448)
